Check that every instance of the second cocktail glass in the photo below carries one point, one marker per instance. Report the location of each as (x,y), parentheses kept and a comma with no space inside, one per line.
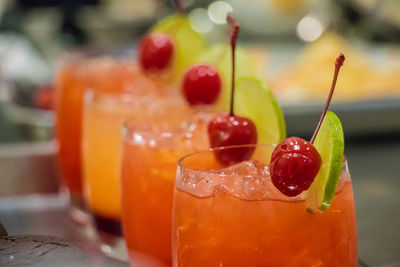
(78,71)
(150,153)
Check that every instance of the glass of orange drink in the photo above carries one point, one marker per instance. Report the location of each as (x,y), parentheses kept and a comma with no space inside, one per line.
(150,151)
(76,73)
(119,95)
(234,216)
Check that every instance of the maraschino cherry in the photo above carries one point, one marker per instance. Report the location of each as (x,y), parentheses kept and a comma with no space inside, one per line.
(156,52)
(201,84)
(295,162)
(228,129)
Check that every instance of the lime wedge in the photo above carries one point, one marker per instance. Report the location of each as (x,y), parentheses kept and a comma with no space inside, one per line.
(330,145)
(188,42)
(253,99)
(220,56)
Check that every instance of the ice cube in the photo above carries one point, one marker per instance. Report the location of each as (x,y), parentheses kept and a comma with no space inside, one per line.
(246,168)
(248,180)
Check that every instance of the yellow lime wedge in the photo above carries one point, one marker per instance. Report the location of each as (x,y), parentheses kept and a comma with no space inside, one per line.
(188,42)
(330,144)
(253,99)
(220,56)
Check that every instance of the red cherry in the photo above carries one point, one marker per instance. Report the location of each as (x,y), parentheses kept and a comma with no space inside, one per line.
(227,130)
(295,162)
(201,84)
(155,52)
(294,165)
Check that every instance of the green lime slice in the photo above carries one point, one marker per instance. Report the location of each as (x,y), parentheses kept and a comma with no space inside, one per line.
(220,56)
(253,99)
(330,145)
(188,42)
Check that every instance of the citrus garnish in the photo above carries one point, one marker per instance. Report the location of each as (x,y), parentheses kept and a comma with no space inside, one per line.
(295,162)
(330,144)
(220,56)
(187,41)
(256,101)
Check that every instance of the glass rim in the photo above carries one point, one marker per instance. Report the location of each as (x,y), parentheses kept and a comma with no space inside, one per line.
(83,58)
(212,150)
(215,175)
(111,94)
(88,52)
(130,125)
(92,95)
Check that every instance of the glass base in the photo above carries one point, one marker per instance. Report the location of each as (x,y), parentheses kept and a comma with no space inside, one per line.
(107,225)
(109,232)
(113,247)
(77,209)
(79,215)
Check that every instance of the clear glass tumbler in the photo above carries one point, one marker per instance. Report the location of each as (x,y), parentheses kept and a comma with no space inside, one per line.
(234,216)
(77,72)
(150,153)
(124,94)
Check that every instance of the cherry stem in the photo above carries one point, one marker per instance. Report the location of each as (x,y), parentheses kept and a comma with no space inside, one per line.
(234,36)
(338,63)
(178,6)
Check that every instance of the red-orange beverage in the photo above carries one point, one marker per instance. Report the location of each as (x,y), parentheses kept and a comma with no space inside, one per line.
(235,216)
(150,153)
(75,76)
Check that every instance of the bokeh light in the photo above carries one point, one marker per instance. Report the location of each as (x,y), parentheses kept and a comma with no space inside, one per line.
(218,10)
(309,29)
(199,20)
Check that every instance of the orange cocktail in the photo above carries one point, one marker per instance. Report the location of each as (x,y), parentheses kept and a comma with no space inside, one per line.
(234,216)
(76,75)
(104,115)
(150,153)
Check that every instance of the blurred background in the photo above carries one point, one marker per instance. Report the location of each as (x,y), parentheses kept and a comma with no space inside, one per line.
(289,40)
(293,44)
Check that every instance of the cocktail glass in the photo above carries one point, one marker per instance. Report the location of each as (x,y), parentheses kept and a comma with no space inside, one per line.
(78,72)
(149,156)
(234,216)
(103,118)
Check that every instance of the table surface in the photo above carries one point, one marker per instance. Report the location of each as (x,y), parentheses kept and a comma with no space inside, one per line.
(375,169)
